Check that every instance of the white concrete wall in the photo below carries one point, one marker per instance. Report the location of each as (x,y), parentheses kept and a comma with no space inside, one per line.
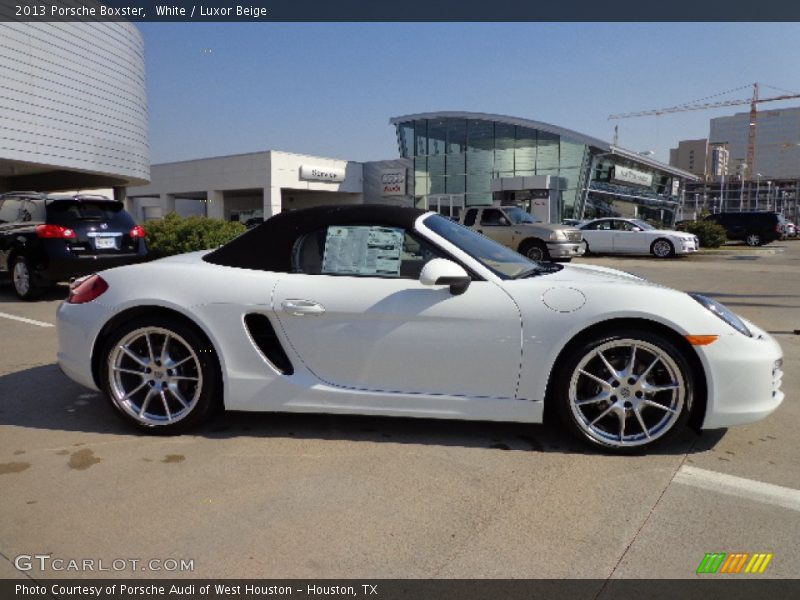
(276,174)
(237,172)
(294,199)
(72,96)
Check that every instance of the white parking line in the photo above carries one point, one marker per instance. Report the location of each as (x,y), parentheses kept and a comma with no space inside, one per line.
(24,320)
(739,486)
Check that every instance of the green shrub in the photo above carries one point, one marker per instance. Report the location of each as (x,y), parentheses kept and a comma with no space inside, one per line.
(176,235)
(710,234)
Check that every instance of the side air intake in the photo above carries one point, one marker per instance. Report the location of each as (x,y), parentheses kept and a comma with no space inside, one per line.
(263,334)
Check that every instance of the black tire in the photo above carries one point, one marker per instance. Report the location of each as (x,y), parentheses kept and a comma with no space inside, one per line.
(587,250)
(534,250)
(22,279)
(608,433)
(662,248)
(753,239)
(191,388)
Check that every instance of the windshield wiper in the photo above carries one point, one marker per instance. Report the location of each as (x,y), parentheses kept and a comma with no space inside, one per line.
(542,269)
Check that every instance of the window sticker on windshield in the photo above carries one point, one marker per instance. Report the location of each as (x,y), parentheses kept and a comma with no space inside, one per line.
(363,250)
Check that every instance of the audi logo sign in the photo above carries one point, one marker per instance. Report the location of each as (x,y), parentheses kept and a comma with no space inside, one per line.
(312,173)
(393,183)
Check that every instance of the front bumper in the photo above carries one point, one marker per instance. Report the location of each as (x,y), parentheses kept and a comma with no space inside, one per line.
(565,249)
(687,246)
(744,378)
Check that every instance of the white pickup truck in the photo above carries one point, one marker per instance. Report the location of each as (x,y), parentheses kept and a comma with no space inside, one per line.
(520,231)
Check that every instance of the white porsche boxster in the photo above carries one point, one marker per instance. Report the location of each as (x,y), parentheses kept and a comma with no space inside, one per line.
(634,236)
(384,310)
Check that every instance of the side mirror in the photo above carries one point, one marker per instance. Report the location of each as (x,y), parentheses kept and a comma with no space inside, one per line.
(441,271)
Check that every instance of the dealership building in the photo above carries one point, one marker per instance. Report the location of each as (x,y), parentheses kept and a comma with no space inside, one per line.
(447,161)
(73,116)
(73,108)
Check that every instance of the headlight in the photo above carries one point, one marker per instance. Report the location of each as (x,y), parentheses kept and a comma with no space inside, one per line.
(558,235)
(723,313)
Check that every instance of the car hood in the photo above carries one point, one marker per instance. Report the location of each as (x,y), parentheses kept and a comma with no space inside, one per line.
(596,274)
(680,234)
(547,226)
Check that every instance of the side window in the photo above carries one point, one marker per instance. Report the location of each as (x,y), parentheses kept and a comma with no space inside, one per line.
(623,226)
(493,216)
(362,250)
(600,226)
(469,218)
(31,211)
(9,210)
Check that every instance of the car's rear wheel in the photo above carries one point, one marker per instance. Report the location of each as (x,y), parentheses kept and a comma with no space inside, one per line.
(25,285)
(535,250)
(160,374)
(624,392)
(662,248)
(753,239)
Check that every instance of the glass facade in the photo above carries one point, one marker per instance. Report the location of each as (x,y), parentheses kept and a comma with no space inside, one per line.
(462,156)
(611,194)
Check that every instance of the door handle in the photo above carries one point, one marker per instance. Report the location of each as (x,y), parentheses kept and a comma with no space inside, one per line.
(302,307)
(480,230)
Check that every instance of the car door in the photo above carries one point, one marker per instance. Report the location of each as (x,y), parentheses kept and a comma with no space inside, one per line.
(735,225)
(494,223)
(357,317)
(627,238)
(9,214)
(599,235)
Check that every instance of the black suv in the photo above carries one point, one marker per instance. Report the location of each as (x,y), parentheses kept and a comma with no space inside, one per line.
(753,228)
(45,239)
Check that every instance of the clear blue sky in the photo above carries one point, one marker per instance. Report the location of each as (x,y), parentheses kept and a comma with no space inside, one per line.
(330,88)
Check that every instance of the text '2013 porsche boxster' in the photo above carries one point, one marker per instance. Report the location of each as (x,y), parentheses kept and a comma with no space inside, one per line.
(394,311)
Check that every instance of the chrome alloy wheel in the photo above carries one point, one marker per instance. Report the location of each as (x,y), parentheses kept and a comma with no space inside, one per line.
(155,376)
(753,239)
(662,248)
(21,277)
(626,393)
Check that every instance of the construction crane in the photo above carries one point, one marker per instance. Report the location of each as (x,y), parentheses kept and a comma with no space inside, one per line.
(701,105)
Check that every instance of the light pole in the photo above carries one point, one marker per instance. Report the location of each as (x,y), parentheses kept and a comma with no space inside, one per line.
(769,192)
(742,169)
(758,188)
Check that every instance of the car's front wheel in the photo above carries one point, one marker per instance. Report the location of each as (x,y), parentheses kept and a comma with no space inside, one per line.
(535,250)
(624,392)
(160,375)
(662,248)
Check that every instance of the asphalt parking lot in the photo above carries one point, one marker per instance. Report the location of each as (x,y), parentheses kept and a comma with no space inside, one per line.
(294,496)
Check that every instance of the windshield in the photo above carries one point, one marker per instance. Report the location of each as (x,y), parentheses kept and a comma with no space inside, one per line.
(503,262)
(517,215)
(642,225)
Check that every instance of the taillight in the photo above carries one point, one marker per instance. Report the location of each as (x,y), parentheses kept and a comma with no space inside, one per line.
(55,231)
(86,290)
(778,228)
(137,232)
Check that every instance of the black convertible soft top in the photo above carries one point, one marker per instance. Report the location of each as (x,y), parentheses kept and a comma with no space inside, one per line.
(268,247)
